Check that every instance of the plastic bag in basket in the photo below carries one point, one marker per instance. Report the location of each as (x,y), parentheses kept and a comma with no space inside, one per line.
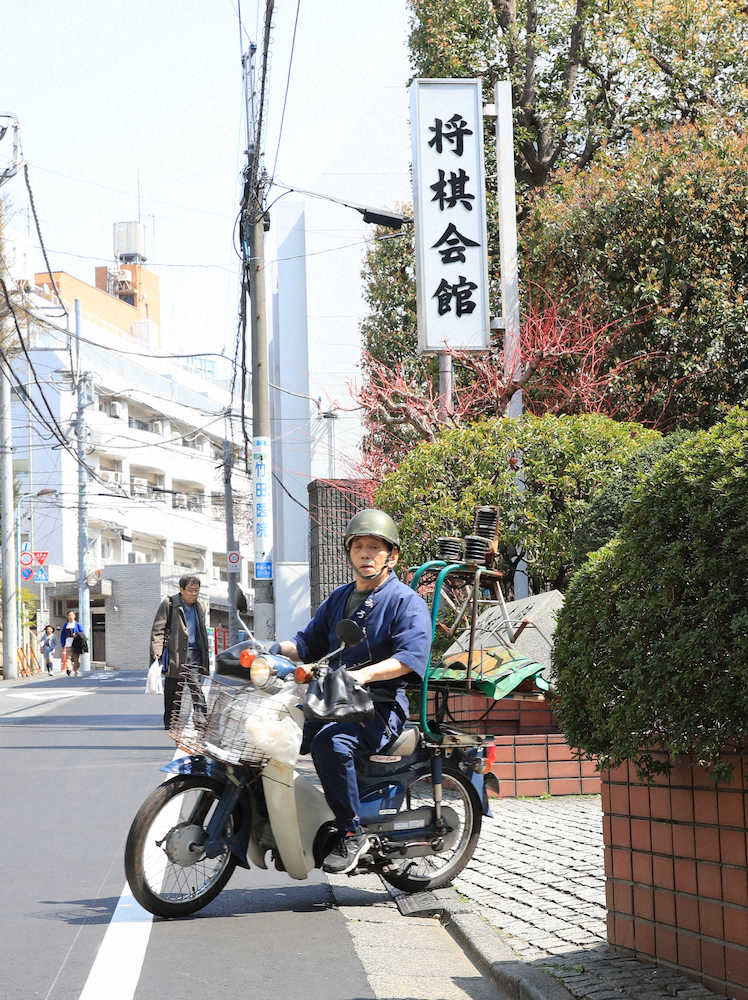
(273,730)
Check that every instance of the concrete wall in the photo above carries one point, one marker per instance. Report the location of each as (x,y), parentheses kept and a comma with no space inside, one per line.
(136,593)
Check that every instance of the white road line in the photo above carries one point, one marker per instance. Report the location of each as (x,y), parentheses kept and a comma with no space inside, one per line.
(119,961)
(49,696)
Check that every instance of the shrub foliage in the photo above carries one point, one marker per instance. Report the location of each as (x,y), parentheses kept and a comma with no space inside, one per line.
(604,515)
(651,648)
(437,488)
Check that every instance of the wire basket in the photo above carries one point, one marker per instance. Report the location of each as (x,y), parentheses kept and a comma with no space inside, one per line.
(224,721)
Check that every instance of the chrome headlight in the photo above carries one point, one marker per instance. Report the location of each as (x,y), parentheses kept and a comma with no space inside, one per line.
(260,671)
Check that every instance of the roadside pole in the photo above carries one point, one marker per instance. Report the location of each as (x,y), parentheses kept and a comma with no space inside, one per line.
(10,594)
(84,594)
(232,572)
(262,483)
(509,274)
(253,252)
(445,385)
(7,512)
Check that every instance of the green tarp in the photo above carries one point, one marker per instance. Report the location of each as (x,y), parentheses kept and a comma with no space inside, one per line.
(495,672)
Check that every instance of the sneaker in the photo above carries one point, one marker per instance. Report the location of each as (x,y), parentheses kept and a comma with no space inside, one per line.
(344,857)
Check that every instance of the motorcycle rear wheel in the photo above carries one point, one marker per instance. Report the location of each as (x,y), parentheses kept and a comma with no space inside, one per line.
(435,871)
(167,872)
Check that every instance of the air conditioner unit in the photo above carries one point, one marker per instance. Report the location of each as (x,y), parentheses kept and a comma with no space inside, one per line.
(180,501)
(115,409)
(139,487)
(194,503)
(157,427)
(111,476)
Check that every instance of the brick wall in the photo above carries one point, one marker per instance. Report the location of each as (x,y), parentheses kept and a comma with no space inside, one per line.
(528,756)
(676,871)
(541,764)
(507,717)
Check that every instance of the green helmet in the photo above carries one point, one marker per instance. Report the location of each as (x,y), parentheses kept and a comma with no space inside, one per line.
(372,522)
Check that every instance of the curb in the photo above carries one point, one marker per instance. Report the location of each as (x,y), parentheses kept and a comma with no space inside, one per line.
(483,945)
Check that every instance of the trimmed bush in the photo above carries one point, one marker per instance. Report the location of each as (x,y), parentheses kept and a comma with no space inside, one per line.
(605,512)
(437,488)
(651,648)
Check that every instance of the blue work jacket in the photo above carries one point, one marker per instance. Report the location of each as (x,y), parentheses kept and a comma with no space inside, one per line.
(395,622)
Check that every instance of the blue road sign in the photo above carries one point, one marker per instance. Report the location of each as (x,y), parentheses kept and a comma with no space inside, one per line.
(264,571)
(41,575)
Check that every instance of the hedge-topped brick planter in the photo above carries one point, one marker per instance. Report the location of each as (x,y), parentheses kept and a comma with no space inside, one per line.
(676,865)
(529,755)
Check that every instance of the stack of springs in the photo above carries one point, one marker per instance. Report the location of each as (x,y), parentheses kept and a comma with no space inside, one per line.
(450,549)
(476,550)
(486,522)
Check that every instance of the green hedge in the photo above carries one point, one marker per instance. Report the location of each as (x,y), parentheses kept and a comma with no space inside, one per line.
(604,515)
(437,488)
(651,648)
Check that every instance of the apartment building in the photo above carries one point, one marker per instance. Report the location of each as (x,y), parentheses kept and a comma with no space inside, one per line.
(155,443)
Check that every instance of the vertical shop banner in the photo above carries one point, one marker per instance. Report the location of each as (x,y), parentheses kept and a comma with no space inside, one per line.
(449,197)
(262,483)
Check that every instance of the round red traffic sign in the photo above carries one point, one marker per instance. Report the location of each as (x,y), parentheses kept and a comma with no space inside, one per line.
(25,558)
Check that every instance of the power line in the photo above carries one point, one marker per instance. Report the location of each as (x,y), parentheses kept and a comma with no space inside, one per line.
(41,240)
(118,350)
(288,82)
(62,436)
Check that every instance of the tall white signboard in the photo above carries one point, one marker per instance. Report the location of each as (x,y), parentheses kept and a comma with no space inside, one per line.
(446,123)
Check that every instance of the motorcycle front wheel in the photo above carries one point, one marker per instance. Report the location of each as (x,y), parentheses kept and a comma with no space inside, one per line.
(166,867)
(435,871)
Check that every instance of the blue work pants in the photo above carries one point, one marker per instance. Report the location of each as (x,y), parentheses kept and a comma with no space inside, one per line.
(335,748)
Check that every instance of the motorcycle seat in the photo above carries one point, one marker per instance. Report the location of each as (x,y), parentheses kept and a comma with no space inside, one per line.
(406,743)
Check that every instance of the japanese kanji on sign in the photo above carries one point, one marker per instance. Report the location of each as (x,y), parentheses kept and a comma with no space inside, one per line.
(450,215)
(263,508)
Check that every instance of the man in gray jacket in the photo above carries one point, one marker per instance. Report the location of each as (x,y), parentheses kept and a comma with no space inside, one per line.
(179,628)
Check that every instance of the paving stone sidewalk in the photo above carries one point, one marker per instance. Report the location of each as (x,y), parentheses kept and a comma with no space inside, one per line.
(537,877)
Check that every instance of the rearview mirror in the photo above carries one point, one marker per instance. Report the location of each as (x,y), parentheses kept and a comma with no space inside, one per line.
(240,600)
(348,632)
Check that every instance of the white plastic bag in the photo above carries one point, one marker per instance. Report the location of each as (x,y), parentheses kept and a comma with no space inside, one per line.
(273,730)
(153,682)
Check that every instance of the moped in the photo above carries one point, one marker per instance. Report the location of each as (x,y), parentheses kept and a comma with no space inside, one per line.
(236,798)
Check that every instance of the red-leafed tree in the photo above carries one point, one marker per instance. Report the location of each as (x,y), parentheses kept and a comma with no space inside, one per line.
(568,364)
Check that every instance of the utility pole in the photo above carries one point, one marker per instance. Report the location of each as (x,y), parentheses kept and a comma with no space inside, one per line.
(83,387)
(253,250)
(233,571)
(7,513)
(7,508)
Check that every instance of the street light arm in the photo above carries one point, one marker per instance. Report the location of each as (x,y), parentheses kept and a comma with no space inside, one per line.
(376,216)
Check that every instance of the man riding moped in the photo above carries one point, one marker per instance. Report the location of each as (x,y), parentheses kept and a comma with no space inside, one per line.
(396,637)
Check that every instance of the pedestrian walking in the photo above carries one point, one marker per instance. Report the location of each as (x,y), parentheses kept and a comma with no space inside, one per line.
(180,638)
(47,647)
(71,650)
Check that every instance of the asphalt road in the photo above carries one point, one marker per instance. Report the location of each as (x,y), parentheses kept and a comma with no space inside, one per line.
(79,756)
